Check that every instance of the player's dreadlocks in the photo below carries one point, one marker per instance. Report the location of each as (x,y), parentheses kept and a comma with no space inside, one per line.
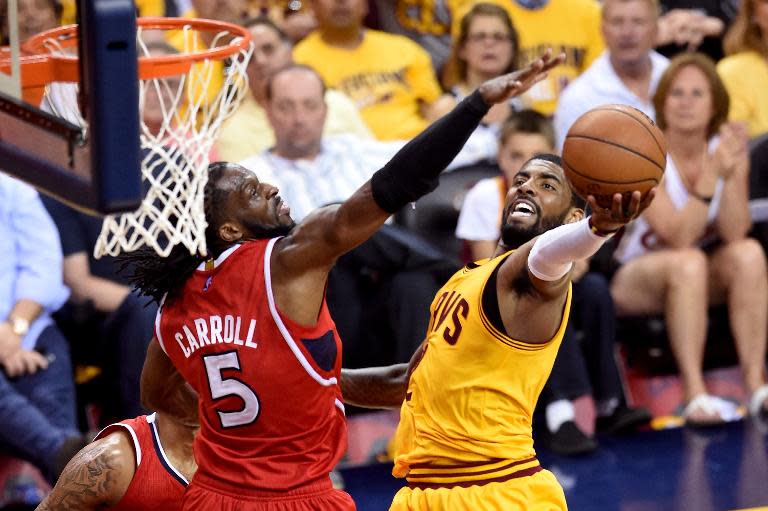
(156,276)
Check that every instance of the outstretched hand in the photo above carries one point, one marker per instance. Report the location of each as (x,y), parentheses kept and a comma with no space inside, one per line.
(515,83)
(608,220)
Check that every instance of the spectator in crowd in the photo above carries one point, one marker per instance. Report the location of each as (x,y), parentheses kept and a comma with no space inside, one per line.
(745,70)
(297,110)
(37,392)
(310,171)
(690,249)
(627,72)
(35,16)
(570,26)
(691,25)
(248,131)
(486,47)
(585,363)
(389,77)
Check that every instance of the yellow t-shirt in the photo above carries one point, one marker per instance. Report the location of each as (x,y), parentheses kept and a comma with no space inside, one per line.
(144,7)
(471,398)
(746,77)
(569,26)
(387,76)
(248,132)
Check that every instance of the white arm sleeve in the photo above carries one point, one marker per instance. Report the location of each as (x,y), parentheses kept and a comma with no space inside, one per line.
(553,253)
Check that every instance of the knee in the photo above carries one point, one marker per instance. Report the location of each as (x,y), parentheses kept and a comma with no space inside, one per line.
(687,267)
(746,258)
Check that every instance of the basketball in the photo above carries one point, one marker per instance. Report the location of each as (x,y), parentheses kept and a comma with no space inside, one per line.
(614,149)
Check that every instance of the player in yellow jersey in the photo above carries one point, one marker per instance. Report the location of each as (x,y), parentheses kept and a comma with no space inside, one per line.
(464,439)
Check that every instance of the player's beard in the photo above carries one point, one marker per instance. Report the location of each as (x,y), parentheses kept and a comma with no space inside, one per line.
(513,236)
(260,232)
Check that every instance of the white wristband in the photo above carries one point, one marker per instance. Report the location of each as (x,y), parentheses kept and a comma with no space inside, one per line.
(553,253)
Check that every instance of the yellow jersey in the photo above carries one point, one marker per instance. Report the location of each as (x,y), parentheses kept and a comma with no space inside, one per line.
(470,400)
(388,76)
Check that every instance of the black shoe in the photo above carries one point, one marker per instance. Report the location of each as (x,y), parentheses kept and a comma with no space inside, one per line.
(569,440)
(623,420)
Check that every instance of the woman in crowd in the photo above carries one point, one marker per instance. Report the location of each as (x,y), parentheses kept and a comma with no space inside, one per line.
(486,47)
(690,250)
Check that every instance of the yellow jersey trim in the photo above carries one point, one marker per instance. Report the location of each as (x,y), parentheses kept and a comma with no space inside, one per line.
(471,473)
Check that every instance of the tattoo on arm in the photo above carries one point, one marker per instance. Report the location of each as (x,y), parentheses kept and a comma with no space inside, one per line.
(88,483)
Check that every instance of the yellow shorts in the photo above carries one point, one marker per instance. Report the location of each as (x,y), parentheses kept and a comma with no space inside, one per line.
(538,492)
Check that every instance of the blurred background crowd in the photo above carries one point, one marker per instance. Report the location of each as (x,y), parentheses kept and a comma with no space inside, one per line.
(335,88)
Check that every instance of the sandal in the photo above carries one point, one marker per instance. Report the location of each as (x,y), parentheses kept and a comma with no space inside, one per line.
(721,410)
(757,402)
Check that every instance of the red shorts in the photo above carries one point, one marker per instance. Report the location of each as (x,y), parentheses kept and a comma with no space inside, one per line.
(320,496)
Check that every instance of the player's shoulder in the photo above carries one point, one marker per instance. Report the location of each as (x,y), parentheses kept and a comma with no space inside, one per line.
(115,452)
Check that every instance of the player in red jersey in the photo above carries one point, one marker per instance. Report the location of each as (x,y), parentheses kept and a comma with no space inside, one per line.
(141,464)
(249,331)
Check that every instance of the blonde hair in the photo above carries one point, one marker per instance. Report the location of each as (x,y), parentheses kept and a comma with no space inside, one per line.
(744,34)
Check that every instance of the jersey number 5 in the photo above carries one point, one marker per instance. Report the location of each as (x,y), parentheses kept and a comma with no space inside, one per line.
(225,387)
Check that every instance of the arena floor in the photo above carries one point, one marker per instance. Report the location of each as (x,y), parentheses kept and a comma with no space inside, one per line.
(718,469)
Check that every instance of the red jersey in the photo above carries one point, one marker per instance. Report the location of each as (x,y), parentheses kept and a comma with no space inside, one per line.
(271,415)
(156,485)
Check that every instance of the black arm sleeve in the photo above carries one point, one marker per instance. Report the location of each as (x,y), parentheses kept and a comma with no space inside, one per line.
(414,170)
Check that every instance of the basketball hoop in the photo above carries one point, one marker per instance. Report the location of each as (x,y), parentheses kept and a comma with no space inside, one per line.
(181,113)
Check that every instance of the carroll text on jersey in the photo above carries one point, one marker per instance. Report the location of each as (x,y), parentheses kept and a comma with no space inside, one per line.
(214,330)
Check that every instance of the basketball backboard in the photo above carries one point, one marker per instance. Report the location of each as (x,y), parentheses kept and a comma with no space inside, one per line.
(80,140)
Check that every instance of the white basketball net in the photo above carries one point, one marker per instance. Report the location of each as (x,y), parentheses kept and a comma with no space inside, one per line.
(180,118)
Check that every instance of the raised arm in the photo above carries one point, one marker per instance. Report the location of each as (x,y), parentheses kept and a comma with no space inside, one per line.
(300,262)
(96,478)
(533,280)
(412,173)
(163,389)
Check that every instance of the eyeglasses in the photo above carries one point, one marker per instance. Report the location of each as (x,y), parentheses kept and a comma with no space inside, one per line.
(496,37)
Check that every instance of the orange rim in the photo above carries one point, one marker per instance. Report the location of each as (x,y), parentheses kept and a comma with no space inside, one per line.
(39,67)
